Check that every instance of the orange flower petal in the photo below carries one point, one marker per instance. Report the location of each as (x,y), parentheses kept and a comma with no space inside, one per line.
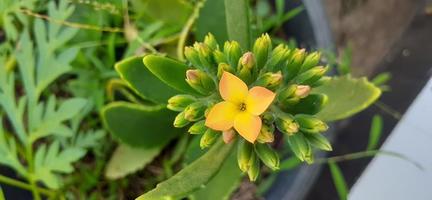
(259,99)
(232,88)
(248,126)
(221,116)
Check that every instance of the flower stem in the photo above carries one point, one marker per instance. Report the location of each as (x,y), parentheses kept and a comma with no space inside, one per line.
(71,24)
(187,27)
(364,154)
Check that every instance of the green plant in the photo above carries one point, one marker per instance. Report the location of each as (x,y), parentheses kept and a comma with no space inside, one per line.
(206,62)
(57,75)
(36,114)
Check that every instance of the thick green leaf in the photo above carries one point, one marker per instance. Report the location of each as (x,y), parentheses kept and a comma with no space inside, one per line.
(139,125)
(170,71)
(346,97)
(224,182)
(126,160)
(237,21)
(170,12)
(375,132)
(339,181)
(143,82)
(210,21)
(193,176)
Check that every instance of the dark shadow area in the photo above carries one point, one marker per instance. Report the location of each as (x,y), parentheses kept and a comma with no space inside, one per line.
(410,63)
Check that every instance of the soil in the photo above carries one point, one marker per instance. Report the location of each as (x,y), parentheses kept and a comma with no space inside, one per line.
(369,28)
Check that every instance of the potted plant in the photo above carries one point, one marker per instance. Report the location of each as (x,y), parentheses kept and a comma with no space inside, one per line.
(282,97)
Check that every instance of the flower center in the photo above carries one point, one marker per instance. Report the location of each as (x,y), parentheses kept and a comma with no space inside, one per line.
(242,107)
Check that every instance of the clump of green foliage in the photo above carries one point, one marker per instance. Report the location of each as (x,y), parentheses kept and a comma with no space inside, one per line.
(66,75)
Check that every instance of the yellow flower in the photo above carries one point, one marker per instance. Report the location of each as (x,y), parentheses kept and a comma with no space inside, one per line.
(241,108)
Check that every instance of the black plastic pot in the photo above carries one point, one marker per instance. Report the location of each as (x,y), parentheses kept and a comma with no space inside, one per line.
(311,30)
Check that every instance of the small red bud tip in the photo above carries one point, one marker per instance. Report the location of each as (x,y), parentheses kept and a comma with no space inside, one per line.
(302,91)
(277,76)
(228,136)
(247,60)
(192,75)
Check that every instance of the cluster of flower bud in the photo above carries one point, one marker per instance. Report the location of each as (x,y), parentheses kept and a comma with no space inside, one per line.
(289,72)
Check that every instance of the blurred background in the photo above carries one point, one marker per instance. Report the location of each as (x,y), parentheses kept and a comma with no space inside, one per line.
(382,36)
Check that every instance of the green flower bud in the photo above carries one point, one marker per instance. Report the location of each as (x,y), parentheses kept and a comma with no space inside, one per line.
(286,124)
(247,61)
(270,80)
(310,124)
(268,156)
(295,63)
(319,141)
(310,61)
(261,49)
(309,158)
(244,154)
(192,55)
(278,58)
(180,120)
(200,81)
(268,118)
(232,52)
(228,136)
(205,55)
(208,138)
(299,146)
(292,94)
(223,67)
(302,91)
(195,111)
(198,128)
(311,76)
(180,102)
(287,93)
(219,56)
(311,104)
(254,169)
(321,81)
(210,41)
(246,67)
(288,98)
(266,134)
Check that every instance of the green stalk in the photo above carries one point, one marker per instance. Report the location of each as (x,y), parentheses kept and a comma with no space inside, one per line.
(186,28)
(30,161)
(364,154)
(25,186)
